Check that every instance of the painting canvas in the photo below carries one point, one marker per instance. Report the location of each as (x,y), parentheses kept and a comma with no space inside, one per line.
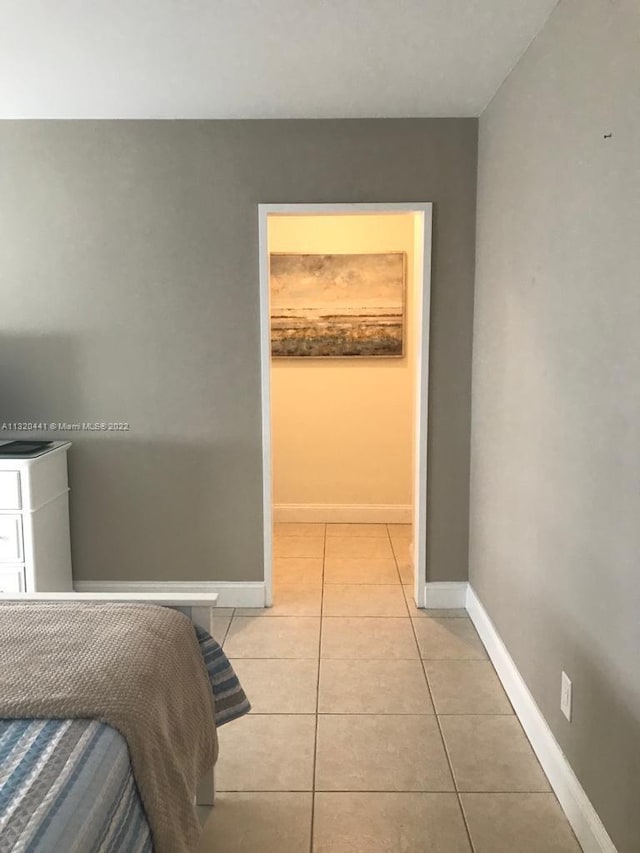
(337,305)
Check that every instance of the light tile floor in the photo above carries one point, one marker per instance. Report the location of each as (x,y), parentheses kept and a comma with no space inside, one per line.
(376,727)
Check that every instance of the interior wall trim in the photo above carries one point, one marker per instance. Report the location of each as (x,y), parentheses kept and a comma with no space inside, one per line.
(344,513)
(423,212)
(230,593)
(582,816)
(446,595)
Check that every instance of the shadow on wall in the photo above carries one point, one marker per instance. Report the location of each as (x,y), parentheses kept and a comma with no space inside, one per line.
(143,506)
(158,509)
(38,380)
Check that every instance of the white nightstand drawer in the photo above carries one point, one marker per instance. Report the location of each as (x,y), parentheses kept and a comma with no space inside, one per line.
(12,580)
(10,539)
(10,497)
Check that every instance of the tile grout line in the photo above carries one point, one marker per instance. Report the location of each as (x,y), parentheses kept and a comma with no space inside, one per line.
(428,686)
(444,743)
(382,791)
(315,737)
(385,660)
(347,616)
(226,633)
(395,560)
(359,713)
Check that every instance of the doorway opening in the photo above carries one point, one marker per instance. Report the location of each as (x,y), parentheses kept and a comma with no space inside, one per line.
(361,384)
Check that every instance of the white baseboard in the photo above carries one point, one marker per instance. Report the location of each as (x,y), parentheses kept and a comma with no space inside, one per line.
(582,816)
(230,593)
(447,595)
(344,513)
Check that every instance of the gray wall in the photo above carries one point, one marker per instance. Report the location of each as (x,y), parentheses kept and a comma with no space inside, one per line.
(129,292)
(555,494)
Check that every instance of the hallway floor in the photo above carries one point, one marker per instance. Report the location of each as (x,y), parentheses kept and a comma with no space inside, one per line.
(376,727)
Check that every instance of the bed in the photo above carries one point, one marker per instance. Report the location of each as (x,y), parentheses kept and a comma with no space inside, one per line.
(99,782)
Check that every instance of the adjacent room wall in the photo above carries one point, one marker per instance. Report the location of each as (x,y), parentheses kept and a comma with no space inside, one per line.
(555,497)
(129,285)
(342,428)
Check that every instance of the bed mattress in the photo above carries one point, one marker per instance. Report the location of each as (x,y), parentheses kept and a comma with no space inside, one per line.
(67,786)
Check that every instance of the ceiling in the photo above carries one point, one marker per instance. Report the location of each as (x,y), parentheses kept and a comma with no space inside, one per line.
(259,58)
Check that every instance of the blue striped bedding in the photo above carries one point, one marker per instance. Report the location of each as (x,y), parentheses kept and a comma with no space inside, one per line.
(66,786)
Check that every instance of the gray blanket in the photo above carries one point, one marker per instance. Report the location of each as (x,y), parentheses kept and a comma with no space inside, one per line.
(137,668)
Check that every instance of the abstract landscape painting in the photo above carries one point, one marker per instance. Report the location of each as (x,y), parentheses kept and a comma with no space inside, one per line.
(337,305)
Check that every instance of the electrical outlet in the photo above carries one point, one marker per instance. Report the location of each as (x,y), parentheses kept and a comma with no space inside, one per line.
(565,696)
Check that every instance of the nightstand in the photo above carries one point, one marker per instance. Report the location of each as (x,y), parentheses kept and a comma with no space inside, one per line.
(35,551)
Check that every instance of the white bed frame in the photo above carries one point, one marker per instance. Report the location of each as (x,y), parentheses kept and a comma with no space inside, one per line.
(197,606)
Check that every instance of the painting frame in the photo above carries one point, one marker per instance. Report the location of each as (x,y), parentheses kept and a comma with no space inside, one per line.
(359,332)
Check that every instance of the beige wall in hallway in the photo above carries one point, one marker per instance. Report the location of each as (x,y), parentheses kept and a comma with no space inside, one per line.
(342,428)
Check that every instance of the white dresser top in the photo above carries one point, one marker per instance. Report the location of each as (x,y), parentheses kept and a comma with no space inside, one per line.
(12,463)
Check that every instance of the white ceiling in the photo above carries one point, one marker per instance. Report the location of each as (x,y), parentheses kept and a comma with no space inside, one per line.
(259,58)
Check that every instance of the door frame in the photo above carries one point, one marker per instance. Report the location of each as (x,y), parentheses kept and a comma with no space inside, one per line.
(421,395)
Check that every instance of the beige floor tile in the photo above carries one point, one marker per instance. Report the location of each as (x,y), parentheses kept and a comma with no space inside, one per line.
(380,753)
(358,547)
(377,530)
(403,552)
(267,753)
(346,570)
(360,638)
(363,600)
(220,626)
(298,529)
(297,570)
(279,686)
(284,637)
(491,753)
(448,639)
(466,687)
(405,569)
(373,687)
(388,823)
(298,546)
(528,823)
(258,822)
(289,600)
(408,591)
(402,548)
(400,531)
